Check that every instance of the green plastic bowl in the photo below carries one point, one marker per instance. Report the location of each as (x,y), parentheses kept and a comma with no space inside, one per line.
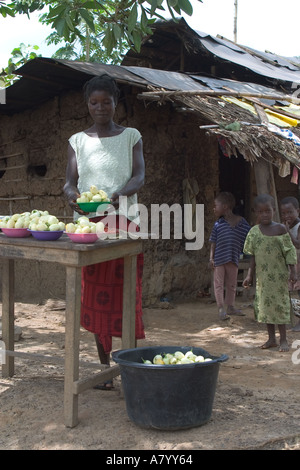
(93,206)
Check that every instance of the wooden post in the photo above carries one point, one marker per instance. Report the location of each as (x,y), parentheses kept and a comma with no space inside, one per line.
(8,311)
(235,19)
(264,174)
(265,183)
(73,303)
(129,302)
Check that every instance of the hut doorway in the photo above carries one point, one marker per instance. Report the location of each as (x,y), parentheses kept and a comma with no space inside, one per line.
(234,176)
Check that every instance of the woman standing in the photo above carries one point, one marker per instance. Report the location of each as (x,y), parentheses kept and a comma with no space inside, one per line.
(110,157)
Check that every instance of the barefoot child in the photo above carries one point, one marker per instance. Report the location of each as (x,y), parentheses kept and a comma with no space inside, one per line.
(289,208)
(273,256)
(227,241)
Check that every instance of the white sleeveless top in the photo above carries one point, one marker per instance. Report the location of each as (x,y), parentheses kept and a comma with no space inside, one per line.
(106,162)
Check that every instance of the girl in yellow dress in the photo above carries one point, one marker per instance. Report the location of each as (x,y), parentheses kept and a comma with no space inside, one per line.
(273,257)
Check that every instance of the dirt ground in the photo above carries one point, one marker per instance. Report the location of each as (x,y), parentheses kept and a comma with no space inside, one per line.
(256,404)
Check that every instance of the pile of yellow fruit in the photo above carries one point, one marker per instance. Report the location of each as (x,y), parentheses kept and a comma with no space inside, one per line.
(177,358)
(93,195)
(34,220)
(84,225)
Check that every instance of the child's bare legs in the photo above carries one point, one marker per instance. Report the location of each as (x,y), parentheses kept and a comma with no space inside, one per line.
(226,276)
(283,347)
(296,327)
(231,272)
(272,343)
(219,280)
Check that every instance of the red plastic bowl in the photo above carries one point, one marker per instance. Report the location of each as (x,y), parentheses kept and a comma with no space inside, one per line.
(83,237)
(16,232)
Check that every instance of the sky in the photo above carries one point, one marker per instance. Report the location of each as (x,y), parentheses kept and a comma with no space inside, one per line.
(271,25)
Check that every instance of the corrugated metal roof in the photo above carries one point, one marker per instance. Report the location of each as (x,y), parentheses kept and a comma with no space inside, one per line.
(212,50)
(166,79)
(44,78)
(230,52)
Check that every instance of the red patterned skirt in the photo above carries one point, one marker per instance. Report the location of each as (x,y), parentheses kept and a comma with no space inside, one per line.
(102,297)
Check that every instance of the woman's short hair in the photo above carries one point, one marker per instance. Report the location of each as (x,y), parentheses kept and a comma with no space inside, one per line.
(99,83)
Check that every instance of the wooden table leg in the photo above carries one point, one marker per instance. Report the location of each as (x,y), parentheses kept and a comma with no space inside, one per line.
(8,311)
(73,305)
(129,302)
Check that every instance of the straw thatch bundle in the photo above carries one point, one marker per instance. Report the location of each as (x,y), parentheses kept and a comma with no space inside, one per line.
(252,139)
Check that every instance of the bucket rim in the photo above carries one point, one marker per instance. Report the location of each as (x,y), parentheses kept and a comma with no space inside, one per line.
(125,362)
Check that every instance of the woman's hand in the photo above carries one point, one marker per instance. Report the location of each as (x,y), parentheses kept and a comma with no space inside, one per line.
(70,187)
(115,199)
(72,198)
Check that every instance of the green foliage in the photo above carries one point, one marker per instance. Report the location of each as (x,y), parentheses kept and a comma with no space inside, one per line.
(19,56)
(129,20)
(5,10)
(20,7)
(87,48)
(90,30)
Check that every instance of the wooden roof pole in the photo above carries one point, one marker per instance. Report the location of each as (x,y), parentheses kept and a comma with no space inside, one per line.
(264,171)
(235,20)
(157,94)
(265,183)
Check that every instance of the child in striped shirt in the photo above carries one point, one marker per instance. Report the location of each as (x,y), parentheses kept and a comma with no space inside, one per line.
(227,240)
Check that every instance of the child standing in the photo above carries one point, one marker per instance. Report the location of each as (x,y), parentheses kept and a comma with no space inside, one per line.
(227,241)
(289,208)
(273,256)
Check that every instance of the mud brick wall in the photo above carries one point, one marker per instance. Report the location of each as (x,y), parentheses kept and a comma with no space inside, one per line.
(33,157)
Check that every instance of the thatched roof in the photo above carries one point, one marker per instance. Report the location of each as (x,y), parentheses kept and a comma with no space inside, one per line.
(250,136)
(220,66)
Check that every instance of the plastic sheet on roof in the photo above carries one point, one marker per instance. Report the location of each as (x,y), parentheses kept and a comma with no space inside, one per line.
(166,79)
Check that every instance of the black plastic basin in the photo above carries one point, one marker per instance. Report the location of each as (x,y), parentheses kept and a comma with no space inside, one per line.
(168,397)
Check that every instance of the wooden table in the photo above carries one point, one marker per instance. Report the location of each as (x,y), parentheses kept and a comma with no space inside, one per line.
(73,256)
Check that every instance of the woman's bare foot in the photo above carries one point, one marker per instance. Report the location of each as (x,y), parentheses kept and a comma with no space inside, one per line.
(269,344)
(284,347)
(105,386)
